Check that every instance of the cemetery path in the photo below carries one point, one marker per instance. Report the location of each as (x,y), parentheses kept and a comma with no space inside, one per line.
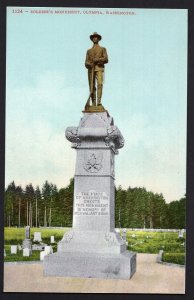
(150,277)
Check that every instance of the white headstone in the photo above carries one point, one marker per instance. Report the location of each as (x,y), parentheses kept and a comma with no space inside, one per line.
(26,252)
(48,249)
(181,233)
(37,237)
(13,249)
(52,239)
(4,253)
(42,255)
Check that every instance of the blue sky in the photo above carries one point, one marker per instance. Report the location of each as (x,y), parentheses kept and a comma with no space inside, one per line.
(145,91)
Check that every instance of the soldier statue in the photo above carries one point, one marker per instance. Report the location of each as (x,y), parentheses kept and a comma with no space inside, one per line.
(96,57)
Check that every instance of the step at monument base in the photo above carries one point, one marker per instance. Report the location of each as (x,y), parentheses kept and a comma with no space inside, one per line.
(90,265)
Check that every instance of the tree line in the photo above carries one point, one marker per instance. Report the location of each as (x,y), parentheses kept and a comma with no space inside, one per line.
(50,206)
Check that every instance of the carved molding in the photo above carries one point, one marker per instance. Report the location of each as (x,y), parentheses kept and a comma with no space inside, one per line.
(111,135)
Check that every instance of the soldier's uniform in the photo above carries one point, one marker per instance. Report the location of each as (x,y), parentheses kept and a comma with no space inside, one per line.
(96,57)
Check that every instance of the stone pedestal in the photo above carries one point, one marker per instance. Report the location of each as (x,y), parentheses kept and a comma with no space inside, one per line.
(93,248)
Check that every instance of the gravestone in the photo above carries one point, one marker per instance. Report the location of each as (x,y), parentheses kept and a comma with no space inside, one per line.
(37,237)
(93,248)
(42,255)
(180,234)
(26,252)
(48,249)
(27,232)
(124,233)
(13,249)
(52,239)
(27,243)
(4,253)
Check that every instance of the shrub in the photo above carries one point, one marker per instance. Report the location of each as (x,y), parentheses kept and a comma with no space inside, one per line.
(175,258)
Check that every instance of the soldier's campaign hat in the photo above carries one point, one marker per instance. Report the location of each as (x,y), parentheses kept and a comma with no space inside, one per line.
(95,34)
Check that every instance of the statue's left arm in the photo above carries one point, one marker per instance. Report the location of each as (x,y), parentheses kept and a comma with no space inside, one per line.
(104,58)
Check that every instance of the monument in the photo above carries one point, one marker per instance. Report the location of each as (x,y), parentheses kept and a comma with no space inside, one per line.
(27,243)
(93,248)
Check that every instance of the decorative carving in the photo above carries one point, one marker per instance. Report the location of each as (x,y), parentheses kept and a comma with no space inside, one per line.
(114,138)
(72,136)
(68,237)
(93,162)
(110,239)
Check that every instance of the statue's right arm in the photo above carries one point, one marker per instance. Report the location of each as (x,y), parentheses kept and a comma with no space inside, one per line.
(87,63)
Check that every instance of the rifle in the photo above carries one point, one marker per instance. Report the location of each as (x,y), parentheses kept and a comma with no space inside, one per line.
(91,88)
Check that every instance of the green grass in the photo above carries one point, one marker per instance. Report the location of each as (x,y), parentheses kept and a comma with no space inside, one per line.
(152,242)
(14,236)
(19,256)
(143,242)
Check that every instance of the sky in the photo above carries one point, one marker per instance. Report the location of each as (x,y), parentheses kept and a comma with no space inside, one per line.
(145,91)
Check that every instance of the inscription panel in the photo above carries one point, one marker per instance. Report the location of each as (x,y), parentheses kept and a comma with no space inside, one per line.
(91,203)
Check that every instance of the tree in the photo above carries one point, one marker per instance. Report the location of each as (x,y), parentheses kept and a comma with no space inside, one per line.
(49,193)
(10,202)
(19,198)
(30,201)
(176,213)
(38,197)
(65,204)
(120,199)
(134,207)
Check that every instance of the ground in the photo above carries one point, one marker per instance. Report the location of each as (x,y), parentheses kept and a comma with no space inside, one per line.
(150,277)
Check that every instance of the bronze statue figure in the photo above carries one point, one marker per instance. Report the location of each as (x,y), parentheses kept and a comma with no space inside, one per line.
(96,57)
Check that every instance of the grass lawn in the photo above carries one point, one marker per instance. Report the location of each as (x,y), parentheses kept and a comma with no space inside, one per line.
(152,242)
(138,241)
(15,236)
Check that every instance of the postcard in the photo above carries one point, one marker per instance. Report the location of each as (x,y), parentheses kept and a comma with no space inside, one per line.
(95,177)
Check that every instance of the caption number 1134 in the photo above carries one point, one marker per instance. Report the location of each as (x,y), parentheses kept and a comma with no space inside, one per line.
(17,11)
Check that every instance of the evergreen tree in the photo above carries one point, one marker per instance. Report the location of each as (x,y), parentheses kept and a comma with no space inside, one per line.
(38,200)
(10,195)
(30,204)
(134,207)
(66,204)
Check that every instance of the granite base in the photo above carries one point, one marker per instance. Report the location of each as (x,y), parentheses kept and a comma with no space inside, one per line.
(90,265)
